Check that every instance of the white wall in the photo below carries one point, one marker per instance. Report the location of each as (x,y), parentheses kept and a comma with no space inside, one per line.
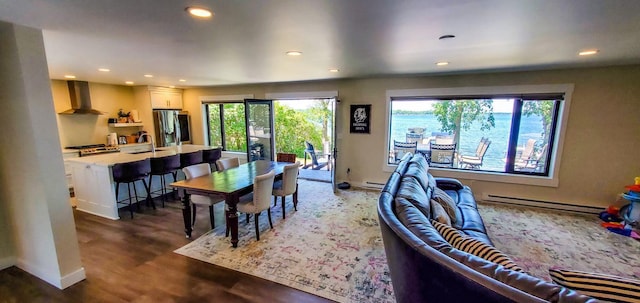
(34,198)
(601,142)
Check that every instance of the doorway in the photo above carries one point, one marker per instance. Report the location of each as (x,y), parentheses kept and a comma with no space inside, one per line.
(306,127)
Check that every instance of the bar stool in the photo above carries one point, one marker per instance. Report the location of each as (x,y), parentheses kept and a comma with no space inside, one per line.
(188,159)
(162,166)
(210,156)
(131,172)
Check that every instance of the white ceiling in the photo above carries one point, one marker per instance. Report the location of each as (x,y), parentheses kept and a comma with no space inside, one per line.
(246,40)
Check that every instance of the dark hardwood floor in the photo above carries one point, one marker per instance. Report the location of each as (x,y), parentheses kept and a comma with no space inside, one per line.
(132,260)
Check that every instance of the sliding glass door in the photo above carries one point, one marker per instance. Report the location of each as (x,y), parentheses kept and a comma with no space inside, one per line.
(259,122)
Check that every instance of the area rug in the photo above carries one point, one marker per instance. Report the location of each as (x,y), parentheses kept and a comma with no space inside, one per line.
(331,246)
(539,239)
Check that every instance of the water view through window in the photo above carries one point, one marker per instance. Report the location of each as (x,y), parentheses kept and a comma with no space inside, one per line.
(480,132)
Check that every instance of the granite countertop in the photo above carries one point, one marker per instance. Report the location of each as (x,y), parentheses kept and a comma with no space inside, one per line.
(110,159)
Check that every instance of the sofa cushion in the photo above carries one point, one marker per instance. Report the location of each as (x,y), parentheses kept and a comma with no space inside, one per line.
(447,203)
(545,290)
(411,190)
(439,214)
(599,286)
(485,251)
(416,222)
(420,173)
(449,233)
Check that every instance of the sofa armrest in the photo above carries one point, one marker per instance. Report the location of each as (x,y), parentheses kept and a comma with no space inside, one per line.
(449,183)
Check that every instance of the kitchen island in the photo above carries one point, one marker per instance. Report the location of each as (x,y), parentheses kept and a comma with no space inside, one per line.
(93,178)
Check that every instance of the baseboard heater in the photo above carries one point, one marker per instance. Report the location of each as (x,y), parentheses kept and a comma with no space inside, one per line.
(372,185)
(540,203)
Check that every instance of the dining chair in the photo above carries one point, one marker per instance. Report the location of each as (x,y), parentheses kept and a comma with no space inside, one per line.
(259,200)
(287,186)
(286,157)
(194,171)
(413,137)
(442,155)
(226,163)
(401,148)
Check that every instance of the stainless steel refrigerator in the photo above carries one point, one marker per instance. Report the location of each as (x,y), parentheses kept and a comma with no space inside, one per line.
(171,127)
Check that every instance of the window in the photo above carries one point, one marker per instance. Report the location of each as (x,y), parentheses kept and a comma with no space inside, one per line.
(490,133)
(226,126)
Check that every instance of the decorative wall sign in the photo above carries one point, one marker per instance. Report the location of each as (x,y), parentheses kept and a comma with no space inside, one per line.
(360,121)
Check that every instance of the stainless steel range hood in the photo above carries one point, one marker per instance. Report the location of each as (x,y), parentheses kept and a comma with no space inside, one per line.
(80,99)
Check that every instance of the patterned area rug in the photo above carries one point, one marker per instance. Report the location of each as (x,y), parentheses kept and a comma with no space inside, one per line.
(538,240)
(331,246)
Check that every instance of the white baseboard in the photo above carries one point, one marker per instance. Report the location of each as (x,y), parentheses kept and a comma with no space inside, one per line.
(53,279)
(506,199)
(73,278)
(7,262)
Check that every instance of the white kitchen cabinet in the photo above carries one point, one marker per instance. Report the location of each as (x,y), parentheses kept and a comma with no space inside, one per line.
(67,167)
(162,99)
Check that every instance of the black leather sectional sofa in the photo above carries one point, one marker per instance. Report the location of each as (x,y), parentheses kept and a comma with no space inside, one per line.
(426,268)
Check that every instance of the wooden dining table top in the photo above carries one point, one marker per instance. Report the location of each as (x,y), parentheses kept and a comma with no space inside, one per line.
(231,180)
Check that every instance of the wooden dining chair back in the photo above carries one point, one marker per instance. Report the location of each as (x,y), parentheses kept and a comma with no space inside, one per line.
(287,186)
(226,163)
(199,170)
(286,157)
(259,200)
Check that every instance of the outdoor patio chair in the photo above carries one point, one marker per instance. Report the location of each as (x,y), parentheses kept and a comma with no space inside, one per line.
(535,163)
(414,137)
(527,154)
(401,148)
(315,164)
(416,130)
(475,161)
(442,155)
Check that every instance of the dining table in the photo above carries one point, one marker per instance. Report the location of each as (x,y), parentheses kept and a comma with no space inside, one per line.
(230,184)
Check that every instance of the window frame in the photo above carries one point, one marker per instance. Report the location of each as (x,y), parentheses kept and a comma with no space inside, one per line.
(557,137)
(220,99)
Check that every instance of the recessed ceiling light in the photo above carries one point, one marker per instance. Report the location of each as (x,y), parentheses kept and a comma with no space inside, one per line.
(104,69)
(588,52)
(443,37)
(70,76)
(149,75)
(334,70)
(128,82)
(442,63)
(199,12)
(294,53)
(182,80)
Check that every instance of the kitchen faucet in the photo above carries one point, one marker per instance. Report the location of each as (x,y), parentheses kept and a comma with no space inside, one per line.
(153,144)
